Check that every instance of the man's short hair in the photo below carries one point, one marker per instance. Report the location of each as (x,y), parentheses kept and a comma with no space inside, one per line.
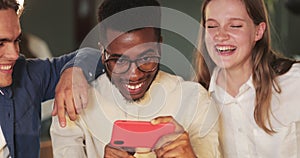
(9,4)
(129,15)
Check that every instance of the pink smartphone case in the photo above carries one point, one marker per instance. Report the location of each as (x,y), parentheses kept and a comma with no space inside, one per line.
(138,134)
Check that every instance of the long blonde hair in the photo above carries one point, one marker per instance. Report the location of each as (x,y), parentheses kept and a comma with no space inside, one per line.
(267,64)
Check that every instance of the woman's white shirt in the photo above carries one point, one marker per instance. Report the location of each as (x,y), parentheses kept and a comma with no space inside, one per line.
(241,136)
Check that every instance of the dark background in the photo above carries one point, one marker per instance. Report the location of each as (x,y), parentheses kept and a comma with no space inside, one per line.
(64,23)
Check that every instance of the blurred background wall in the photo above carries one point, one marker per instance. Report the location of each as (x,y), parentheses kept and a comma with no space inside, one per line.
(64,23)
(52,21)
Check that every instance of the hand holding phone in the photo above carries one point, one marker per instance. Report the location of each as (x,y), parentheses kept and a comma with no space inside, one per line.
(138,134)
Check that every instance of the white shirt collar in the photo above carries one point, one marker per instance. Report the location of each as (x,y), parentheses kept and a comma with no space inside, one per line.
(223,96)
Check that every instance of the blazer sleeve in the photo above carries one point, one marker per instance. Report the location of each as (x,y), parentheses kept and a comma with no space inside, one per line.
(89,60)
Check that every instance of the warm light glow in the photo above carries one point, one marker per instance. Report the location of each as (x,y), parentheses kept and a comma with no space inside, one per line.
(21,2)
(21,7)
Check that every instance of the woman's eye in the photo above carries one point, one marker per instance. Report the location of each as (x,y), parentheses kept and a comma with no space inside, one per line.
(211,26)
(236,26)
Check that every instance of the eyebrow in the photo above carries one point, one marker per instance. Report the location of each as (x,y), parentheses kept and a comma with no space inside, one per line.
(10,40)
(141,55)
(230,19)
(240,19)
(150,50)
(4,40)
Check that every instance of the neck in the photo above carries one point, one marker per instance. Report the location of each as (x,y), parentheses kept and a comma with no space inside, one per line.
(232,80)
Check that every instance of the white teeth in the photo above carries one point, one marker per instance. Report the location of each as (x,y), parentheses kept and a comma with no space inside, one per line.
(5,67)
(225,48)
(134,86)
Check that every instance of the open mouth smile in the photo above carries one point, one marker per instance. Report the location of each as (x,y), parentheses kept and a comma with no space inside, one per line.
(225,50)
(5,67)
(134,87)
(221,49)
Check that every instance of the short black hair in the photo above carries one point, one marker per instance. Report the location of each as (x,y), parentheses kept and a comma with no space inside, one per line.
(129,15)
(9,4)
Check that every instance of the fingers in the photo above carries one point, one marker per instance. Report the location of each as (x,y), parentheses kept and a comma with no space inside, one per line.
(71,95)
(183,139)
(81,100)
(168,119)
(166,139)
(169,137)
(63,105)
(166,153)
(63,102)
(54,110)
(78,104)
(69,107)
(84,98)
(181,147)
(60,111)
(162,119)
(176,144)
(79,89)
(111,152)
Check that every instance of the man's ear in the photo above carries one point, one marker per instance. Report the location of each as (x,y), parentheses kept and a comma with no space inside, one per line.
(160,40)
(260,30)
(101,48)
(102,58)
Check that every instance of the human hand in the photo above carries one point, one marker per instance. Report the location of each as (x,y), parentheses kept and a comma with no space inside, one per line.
(110,152)
(70,94)
(168,147)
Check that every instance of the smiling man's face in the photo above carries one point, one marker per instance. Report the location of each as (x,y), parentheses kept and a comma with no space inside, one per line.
(132,61)
(10,31)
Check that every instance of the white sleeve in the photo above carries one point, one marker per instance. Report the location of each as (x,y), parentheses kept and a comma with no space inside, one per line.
(67,141)
(204,132)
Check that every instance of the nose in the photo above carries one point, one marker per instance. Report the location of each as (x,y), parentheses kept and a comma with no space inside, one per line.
(134,73)
(12,51)
(221,35)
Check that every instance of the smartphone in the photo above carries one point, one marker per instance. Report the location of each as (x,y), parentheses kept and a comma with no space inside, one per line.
(138,134)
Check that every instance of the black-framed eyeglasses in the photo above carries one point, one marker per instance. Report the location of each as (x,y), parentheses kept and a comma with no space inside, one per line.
(118,64)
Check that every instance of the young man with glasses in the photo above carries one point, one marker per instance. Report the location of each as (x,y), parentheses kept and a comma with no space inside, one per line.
(133,88)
